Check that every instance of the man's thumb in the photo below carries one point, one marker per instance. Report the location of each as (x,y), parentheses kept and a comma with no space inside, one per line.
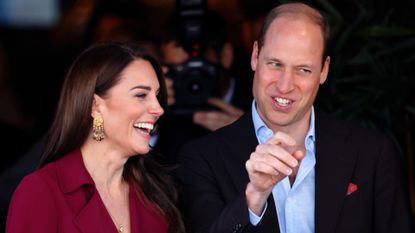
(299,155)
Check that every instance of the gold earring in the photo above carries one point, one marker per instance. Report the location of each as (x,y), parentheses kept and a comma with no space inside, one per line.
(98,129)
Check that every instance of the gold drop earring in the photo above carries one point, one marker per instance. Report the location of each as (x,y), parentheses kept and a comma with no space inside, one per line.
(98,129)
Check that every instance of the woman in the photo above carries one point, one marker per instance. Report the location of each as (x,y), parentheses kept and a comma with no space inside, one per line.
(96,174)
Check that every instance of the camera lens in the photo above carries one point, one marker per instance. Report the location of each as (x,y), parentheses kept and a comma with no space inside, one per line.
(194,88)
(196,85)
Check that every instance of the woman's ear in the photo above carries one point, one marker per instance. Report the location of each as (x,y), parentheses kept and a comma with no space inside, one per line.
(97,103)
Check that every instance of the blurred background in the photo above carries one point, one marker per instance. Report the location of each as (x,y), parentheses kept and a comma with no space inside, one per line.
(371,79)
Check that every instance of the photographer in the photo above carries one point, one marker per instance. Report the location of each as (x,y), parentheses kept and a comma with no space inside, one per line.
(230,95)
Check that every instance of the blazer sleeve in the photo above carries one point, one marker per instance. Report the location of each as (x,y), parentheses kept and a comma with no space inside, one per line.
(392,212)
(210,204)
(32,207)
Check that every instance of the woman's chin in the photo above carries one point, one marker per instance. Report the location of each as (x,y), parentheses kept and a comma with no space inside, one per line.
(142,150)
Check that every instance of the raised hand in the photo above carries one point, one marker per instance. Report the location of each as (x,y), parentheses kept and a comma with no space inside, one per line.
(271,162)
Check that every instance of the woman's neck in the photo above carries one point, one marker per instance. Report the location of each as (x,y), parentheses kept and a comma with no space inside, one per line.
(105,165)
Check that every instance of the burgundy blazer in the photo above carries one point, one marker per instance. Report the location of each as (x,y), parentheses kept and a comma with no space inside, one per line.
(61,197)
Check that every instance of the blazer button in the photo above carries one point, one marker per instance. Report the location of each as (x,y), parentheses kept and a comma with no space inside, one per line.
(236,228)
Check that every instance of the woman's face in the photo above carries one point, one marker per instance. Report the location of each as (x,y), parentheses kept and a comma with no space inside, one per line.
(130,109)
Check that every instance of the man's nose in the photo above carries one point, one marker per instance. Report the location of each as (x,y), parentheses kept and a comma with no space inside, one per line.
(285,82)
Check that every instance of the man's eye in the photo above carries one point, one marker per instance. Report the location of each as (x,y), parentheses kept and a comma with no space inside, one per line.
(275,64)
(305,71)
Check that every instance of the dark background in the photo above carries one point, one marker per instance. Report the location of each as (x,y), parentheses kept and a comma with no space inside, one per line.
(371,78)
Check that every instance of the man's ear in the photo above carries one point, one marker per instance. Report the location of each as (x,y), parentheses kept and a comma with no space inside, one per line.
(254,56)
(97,103)
(325,70)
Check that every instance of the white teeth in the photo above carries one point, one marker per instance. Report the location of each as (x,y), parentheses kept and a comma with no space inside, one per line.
(282,101)
(144,126)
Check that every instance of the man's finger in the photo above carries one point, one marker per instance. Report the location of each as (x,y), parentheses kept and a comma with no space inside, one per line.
(228,108)
(281,138)
(165,69)
(263,168)
(279,153)
(299,155)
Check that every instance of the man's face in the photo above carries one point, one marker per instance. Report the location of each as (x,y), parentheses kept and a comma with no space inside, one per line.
(288,72)
(174,53)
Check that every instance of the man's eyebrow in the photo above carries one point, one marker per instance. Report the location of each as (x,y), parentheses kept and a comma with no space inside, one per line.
(272,59)
(305,65)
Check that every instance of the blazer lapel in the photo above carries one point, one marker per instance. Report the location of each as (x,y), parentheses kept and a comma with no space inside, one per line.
(90,214)
(335,161)
(241,142)
(94,217)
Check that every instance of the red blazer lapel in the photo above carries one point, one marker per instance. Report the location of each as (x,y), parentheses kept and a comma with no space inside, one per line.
(90,214)
(94,217)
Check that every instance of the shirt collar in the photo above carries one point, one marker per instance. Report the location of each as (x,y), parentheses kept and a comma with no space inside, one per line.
(263,133)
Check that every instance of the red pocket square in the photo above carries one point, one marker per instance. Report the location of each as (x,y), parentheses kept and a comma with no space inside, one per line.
(351,188)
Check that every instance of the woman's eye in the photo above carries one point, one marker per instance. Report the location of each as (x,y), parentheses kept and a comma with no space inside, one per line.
(141,95)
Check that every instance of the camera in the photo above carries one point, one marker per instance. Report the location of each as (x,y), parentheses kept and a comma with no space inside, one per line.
(193,82)
(196,79)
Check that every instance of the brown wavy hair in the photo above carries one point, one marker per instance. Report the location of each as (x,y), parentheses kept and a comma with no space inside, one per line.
(95,71)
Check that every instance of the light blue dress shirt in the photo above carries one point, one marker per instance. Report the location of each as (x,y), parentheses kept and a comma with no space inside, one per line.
(294,204)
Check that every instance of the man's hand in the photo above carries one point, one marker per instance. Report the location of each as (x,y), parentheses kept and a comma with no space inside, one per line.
(269,164)
(170,92)
(169,86)
(213,120)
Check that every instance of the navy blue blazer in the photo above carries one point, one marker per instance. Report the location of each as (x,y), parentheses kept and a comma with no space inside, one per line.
(213,175)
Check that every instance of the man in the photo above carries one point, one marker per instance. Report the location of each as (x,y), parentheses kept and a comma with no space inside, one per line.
(231,95)
(285,167)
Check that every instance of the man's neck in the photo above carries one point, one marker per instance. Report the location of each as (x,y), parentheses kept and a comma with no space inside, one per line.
(298,131)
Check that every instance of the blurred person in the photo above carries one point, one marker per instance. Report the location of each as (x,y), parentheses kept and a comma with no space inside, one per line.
(14,124)
(286,166)
(232,94)
(10,112)
(120,21)
(15,127)
(97,174)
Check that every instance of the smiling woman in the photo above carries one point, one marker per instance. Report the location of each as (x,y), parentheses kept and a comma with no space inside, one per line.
(97,174)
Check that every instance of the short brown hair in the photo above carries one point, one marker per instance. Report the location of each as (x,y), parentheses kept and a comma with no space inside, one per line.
(297,9)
